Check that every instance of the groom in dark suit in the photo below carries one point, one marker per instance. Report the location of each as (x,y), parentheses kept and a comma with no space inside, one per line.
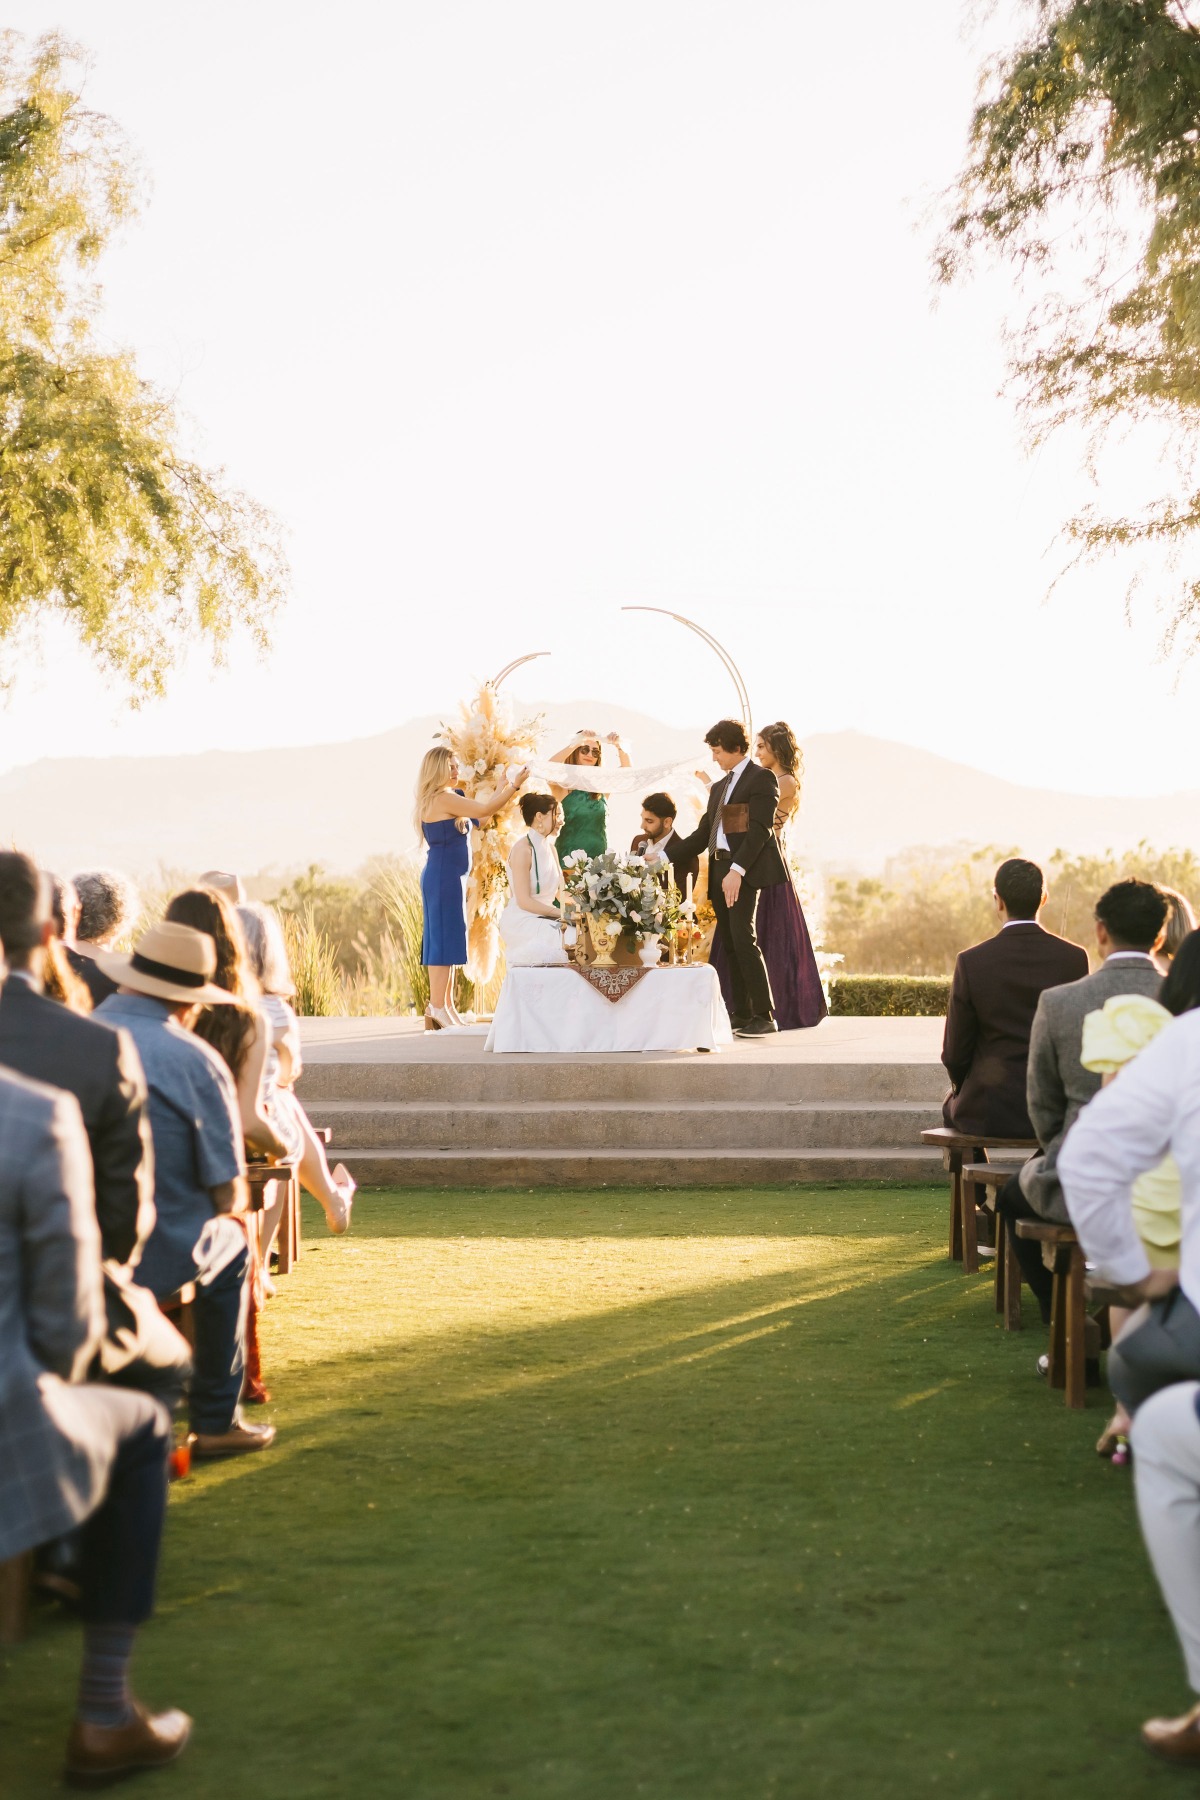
(738,832)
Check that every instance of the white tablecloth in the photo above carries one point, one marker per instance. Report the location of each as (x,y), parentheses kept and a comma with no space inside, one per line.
(557,1011)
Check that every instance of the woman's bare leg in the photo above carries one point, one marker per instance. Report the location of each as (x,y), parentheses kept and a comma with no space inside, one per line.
(439,985)
(315,1178)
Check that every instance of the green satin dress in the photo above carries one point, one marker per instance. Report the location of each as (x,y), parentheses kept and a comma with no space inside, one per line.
(585,824)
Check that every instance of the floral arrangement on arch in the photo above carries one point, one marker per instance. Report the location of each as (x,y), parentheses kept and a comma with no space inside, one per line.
(621,886)
(486,739)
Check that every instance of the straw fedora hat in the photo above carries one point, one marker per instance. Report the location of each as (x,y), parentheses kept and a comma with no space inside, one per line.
(169,962)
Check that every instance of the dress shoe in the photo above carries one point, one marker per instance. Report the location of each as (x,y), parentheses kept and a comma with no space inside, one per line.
(98,1754)
(239,1440)
(756,1028)
(1176,1739)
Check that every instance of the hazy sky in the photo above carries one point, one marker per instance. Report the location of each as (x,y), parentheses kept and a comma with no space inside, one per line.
(518,313)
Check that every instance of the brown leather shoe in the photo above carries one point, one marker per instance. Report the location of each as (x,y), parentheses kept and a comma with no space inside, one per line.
(98,1754)
(1176,1739)
(239,1440)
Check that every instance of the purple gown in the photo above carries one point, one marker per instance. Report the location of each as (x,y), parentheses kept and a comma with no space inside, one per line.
(788,953)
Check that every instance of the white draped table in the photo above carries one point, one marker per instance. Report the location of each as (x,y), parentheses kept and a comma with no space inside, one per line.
(555,1011)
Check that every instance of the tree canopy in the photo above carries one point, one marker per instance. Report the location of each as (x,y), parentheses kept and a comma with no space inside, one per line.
(103,519)
(1083,170)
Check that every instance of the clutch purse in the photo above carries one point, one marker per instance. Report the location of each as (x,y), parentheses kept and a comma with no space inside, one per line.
(735,818)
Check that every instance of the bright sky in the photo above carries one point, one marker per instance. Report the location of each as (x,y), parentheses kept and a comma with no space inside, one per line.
(518,314)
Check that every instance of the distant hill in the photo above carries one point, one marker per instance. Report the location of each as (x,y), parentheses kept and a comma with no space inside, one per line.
(337,804)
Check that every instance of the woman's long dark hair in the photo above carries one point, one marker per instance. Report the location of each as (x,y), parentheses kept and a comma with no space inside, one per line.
(780,740)
(229,1029)
(1180,991)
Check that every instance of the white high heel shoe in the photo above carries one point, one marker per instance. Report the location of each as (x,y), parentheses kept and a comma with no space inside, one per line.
(345,1187)
(437,1018)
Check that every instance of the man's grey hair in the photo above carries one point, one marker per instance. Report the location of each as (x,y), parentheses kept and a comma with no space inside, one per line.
(268,952)
(108,904)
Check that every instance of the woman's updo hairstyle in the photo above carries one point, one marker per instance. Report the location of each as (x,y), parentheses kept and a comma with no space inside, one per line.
(533,804)
(780,740)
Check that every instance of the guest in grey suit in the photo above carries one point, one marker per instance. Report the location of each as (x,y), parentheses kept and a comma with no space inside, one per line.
(1130,920)
(74,1455)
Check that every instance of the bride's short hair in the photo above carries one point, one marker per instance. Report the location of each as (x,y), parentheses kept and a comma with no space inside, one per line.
(533,804)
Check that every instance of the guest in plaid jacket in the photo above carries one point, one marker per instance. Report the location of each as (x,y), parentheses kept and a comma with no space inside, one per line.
(74,1455)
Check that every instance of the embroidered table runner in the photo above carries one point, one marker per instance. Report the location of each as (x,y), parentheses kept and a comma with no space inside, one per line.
(614,984)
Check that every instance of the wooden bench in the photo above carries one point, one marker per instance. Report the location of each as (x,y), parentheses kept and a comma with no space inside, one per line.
(957,1148)
(16,1591)
(978,1180)
(1063,1254)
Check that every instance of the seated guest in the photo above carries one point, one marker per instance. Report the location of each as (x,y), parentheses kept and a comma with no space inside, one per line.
(1130,918)
(1151,1110)
(97,1064)
(76,1456)
(199,1169)
(333,1191)
(993,997)
(1181,919)
(657,842)
(59,979)
(108,906)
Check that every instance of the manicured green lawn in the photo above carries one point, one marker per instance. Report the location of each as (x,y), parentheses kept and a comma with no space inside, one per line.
(697,1497)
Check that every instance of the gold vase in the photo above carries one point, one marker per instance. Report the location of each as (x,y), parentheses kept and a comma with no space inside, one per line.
(602,940)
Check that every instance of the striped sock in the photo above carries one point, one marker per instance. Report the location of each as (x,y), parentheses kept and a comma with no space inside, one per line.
(104,1697)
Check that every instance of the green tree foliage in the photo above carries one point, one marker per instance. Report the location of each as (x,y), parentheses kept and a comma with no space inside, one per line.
(1084,167)
(103,519)
(929,905)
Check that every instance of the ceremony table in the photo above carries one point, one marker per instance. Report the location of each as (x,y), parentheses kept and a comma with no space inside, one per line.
(555,1011)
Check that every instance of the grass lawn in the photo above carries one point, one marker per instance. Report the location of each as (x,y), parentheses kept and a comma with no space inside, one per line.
(697,1496)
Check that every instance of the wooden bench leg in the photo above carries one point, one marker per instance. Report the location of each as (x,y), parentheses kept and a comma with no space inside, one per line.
(1008,1269)
(1075,1330)
(968,1229)
(1058,1331)
(288,1241)
(16,1585)
(954,1163)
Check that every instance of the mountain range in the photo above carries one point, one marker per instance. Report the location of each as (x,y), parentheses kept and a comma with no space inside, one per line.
(337,804)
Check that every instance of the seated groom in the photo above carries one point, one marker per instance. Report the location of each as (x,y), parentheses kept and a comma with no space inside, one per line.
(993,997)
(659,843)
(1131,918)
(738,832)
(199,1169)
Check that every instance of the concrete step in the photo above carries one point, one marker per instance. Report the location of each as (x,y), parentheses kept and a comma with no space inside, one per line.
(618,1125)
(400,1167)
(534,1081)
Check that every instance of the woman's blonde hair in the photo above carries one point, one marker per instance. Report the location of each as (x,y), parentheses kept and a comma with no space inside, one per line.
(592,737)
(433,777)
(1180,919)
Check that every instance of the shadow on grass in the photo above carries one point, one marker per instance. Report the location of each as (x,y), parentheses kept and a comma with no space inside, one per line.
(809,1530)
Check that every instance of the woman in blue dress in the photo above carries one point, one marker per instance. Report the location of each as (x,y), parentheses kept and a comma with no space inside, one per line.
(444,817)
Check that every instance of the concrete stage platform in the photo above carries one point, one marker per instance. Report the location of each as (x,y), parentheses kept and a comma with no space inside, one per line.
(846,1101)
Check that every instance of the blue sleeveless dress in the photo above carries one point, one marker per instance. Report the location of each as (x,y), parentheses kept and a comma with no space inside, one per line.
(444,895)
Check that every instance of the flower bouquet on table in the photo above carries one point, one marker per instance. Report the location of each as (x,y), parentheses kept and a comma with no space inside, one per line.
(623,906)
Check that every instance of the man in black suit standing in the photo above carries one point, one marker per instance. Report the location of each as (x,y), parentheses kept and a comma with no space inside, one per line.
(738,832)
(993,998)
(659,843)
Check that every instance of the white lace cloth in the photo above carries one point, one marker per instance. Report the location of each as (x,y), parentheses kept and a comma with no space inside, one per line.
(607,781)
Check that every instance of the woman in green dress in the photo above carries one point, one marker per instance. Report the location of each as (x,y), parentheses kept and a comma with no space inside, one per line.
(585,816)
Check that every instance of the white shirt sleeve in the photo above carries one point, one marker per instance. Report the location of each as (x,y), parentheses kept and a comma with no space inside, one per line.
(1127,1129)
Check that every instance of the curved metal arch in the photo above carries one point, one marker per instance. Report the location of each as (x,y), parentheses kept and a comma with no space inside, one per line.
(731,667)
(516,663)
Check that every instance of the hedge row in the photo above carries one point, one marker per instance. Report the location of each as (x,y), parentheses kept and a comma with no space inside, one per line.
(889,996)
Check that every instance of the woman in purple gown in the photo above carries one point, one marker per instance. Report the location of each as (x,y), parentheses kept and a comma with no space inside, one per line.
(781,930)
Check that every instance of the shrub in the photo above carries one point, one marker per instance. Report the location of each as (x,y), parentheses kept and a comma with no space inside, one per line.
(314,967)
(889,996)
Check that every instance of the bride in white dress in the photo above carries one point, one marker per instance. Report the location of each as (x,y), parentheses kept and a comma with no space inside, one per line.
(529,924)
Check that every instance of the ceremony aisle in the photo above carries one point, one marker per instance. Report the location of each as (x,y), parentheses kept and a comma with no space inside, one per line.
(696,1496)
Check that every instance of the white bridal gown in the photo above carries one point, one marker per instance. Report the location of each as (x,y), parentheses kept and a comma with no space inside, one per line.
(531,942)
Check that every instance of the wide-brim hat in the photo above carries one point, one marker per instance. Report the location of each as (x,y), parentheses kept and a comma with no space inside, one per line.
(169,962)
